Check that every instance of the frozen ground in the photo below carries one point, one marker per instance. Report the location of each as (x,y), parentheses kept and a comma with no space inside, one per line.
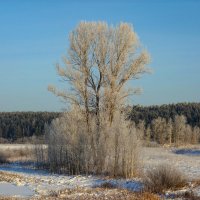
(40,182)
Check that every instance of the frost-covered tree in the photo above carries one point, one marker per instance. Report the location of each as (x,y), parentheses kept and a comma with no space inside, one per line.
(100,61)
(179,128)
(159,129)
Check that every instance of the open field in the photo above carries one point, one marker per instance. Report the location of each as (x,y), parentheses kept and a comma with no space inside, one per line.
(186,159)
(21,179)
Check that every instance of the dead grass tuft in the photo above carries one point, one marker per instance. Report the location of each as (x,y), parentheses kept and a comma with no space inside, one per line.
(195,182)
(188,195)
(162,178)
(147,196)
(107,185)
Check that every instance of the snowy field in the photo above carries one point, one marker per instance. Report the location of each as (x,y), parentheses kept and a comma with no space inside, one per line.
(42,183)
(30,182)
(187,160)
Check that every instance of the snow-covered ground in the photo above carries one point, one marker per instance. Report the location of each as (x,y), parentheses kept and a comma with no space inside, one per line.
(16,146)
(186,160)
(40,182)
(9,189)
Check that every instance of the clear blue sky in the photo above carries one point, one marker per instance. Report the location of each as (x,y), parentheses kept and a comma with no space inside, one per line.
(34,35)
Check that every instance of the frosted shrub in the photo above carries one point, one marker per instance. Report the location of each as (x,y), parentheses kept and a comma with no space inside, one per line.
(70,147)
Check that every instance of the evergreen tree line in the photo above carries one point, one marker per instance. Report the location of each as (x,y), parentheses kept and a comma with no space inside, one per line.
(14,125)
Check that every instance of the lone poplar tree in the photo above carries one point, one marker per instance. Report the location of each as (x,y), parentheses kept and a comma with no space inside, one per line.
(100,60)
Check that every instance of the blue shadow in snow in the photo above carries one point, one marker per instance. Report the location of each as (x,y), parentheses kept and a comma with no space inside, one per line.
(188,152)
(26,168)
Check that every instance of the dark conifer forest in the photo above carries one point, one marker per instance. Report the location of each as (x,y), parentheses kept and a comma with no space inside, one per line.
(15,125)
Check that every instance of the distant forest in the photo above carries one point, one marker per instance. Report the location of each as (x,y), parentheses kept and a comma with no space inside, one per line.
(14,125)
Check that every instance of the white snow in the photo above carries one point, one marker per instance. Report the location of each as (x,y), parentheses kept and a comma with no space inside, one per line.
(186,160)
(16,146)
(8,189)
(41,182)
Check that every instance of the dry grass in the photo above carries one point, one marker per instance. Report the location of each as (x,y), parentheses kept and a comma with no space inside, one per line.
(9,177)
(98,194)
(162,178)
(3,157)
(195,182)
(147,196)
(9,198)
(10,155)
(93,194)
(188,195)
(107,185)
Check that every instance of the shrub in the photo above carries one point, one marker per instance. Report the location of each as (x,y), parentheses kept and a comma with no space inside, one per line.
(109,149)
(162,178)
(107,185)
(40,153)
